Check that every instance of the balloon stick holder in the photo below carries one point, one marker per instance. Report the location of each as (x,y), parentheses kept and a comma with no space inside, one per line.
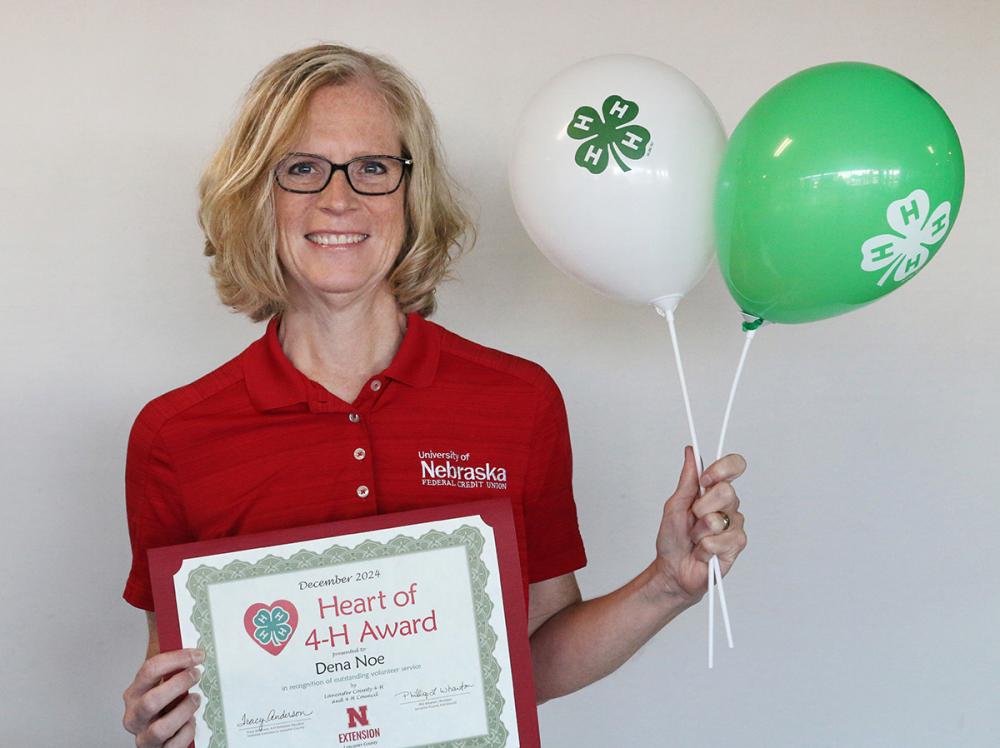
(751,322)
(665,305)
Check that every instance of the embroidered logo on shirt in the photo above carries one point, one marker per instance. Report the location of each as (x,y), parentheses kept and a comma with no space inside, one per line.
(459,471)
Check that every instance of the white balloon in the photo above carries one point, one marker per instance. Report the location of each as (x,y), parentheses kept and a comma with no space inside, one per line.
(643,232)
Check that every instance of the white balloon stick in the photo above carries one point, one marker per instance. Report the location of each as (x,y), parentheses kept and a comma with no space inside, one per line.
(722,599)
(711,615)
(713,565)
(669,314)
(732,392)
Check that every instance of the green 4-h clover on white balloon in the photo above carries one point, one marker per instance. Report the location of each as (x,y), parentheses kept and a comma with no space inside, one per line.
(610,134)
(620,197)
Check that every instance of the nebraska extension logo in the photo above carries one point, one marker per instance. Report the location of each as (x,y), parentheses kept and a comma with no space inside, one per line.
(458,471)
(357,717)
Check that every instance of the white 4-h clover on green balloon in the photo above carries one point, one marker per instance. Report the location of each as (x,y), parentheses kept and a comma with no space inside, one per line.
(613,175)
(838,186)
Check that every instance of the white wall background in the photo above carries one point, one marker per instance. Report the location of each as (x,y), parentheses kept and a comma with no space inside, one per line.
(865,608)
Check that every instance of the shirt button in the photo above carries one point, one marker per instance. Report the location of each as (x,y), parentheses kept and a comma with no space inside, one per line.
(362,492)
(359,454)
(376,385)
(354,418)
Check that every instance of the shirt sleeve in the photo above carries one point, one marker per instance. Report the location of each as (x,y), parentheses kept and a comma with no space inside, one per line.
(554,543)
(153,505)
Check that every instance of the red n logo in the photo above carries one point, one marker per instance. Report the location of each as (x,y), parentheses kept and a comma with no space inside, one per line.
(357,716)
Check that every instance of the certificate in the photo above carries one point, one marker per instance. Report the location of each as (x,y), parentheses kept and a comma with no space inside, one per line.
(397,630)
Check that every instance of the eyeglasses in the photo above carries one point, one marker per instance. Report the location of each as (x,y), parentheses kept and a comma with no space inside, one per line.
(367,175)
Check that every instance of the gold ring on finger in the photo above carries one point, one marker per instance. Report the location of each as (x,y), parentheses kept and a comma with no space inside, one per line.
(725,517)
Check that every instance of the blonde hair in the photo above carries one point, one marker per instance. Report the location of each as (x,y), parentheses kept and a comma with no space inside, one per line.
(237,202)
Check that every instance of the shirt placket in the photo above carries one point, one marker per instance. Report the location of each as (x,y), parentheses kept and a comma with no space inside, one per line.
(358,459)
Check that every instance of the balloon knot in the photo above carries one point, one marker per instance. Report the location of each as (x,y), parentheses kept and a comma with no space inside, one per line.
(752,324)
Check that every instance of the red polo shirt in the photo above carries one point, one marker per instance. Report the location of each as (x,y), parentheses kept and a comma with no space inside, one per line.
(256,445)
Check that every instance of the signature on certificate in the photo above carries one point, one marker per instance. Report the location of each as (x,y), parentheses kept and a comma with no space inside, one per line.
(259,722)
(444,691)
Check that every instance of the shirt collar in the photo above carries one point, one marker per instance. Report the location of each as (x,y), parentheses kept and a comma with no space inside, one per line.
(274,382)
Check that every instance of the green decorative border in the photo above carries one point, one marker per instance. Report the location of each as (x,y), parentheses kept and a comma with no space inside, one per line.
(202,577)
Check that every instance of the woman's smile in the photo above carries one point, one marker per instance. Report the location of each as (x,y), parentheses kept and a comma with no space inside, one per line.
(334,241)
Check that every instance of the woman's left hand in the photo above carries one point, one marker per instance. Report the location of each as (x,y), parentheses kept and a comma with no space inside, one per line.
(693,528)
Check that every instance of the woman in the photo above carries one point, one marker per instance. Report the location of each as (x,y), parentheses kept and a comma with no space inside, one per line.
(328,212)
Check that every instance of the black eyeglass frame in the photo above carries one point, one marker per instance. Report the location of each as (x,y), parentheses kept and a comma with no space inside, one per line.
(334,168)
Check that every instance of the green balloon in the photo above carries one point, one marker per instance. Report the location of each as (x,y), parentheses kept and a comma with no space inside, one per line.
(837,187)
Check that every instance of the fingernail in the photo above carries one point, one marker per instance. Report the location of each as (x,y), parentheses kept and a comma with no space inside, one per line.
(199,656)
(196,698)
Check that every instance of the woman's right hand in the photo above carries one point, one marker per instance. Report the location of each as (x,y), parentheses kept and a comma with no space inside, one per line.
(147,697)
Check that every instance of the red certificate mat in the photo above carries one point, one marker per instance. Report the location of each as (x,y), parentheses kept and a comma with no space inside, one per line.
(390,631)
